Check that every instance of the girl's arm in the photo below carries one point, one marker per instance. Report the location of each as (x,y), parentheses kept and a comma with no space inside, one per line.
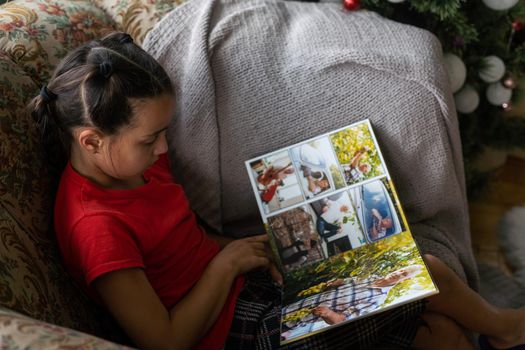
(132,301)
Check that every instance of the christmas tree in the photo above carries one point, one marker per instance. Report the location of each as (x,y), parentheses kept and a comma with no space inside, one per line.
(484,50)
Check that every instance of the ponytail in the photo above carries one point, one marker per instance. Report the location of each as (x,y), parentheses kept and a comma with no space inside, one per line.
(52,137)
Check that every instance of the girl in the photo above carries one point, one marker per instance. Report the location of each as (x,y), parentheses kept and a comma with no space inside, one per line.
(127,234)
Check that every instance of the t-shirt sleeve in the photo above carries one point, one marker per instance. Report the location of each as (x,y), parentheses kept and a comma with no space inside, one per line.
(103,244)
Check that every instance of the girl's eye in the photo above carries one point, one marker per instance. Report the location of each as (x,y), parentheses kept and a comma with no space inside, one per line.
(150,142)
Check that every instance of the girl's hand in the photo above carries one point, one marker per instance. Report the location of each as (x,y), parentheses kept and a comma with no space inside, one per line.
(243,255)
(272,269)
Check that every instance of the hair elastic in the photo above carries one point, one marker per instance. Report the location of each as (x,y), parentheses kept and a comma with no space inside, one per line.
(106,69)
(126,39)
(47,95)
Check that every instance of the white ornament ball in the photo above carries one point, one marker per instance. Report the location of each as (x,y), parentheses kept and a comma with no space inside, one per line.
(456,71)
(467,99)
(497,94)
(396,1)
(500,5)
(494,69)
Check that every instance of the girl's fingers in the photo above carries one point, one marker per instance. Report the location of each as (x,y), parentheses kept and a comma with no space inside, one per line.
(246,245)
(264,260)
(258,245)
(276,275)
(260,252)
(259,261)
(269,251)
(258,238)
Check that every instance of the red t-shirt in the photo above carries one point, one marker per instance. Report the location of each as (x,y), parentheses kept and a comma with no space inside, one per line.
(150,227)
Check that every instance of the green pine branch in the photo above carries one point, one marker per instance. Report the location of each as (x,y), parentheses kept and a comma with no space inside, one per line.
(443,9)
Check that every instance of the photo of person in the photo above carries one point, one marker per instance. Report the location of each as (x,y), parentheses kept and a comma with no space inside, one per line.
(296,238)
(353,284)
(376,210)
(317,167)
(342,299)
(276,182)
(357,154)
(337,224)
(356,170)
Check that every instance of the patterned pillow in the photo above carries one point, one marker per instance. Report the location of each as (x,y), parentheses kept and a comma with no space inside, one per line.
(21,332)
(32,278)
(137,17)
(36,34)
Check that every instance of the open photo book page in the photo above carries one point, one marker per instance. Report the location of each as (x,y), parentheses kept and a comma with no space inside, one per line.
(337,230)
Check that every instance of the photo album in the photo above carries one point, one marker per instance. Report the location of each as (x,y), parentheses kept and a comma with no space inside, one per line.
(337,231)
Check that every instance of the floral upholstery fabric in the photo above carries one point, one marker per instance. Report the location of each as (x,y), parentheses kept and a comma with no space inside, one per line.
(21,332)
(137,17)
(32,277)
(34,36)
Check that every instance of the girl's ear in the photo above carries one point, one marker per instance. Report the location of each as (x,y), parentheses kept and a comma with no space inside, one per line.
(90,139)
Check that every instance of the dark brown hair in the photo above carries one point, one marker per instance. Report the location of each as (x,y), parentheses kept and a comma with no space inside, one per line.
(93,86)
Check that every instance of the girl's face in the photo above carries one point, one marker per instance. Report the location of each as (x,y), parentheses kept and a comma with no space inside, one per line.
(137,146)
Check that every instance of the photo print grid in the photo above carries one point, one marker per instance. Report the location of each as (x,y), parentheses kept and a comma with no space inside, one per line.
(316,167)
(336,223)
(326,196)
(339,231)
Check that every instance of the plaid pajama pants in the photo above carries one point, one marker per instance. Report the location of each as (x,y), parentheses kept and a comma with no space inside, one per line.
(256,324)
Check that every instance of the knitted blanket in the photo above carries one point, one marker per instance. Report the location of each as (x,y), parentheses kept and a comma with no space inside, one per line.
(253,76)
